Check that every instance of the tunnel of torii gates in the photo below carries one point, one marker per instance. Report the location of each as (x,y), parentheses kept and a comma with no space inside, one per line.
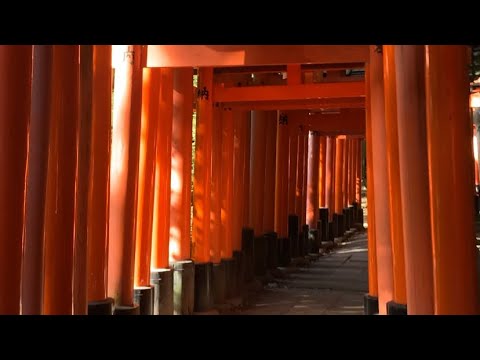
(152,179)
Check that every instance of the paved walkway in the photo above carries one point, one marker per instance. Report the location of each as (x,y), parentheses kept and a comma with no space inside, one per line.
(333,285)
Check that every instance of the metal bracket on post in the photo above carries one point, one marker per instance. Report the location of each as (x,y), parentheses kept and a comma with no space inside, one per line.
(283,119)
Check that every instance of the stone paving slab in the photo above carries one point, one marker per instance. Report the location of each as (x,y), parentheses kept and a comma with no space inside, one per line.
(332,285)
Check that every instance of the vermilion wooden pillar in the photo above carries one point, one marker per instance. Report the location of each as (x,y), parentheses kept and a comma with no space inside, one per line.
(339,174)
(216,176)
(15,97)
(202,174)
(82,182)
(292,167)
(303,217)
(202,187)
(380,174)
(146,174)
(451,182)
(330,176)
(396,218)
(313,179)
(294,74)
(257,170)
(346,172)
(140,55)
(475,155)
(353,169)
(33,247)
(226,186)
(239,124)
(119,172)
(60,201)
(181,164)
(124,174)
(299,179)
(412,143)
(270,172)
(99,182)
(475,115)
(358,173)
(281,184)
(371,233)
(246,169)
(350,169)
(161,205)
(322,172)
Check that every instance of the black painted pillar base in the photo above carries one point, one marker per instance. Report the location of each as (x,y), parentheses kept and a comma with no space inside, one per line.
(394,308)
(322,228)
(314,241)
(143,296)
(331,231)
(477,207)
(324,224)
(203,292)
(260,255)
(272,250)
(127,310)
(356,217)
(230,277)
(183,287)
(162,281)
(294,246)
(301,244)
(239,272)
(339,225)
(102,307)
(351,216)
(370,305)
(346,219)
(293,235)
(218,287)
(335,226)
(247,248)
(323,214)
(360,217)
(343,225)
(284,252)
(304,246)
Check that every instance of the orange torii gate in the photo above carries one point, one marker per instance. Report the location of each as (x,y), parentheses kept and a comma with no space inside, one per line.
(277,163)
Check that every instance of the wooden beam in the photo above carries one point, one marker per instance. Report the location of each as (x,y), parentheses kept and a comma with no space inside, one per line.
(345,122)
(249,69)
(337,66)
(283,68)
(289,92)
(250,55)
(312,104)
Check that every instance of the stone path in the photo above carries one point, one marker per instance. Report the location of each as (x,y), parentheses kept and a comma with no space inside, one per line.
(333,285)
